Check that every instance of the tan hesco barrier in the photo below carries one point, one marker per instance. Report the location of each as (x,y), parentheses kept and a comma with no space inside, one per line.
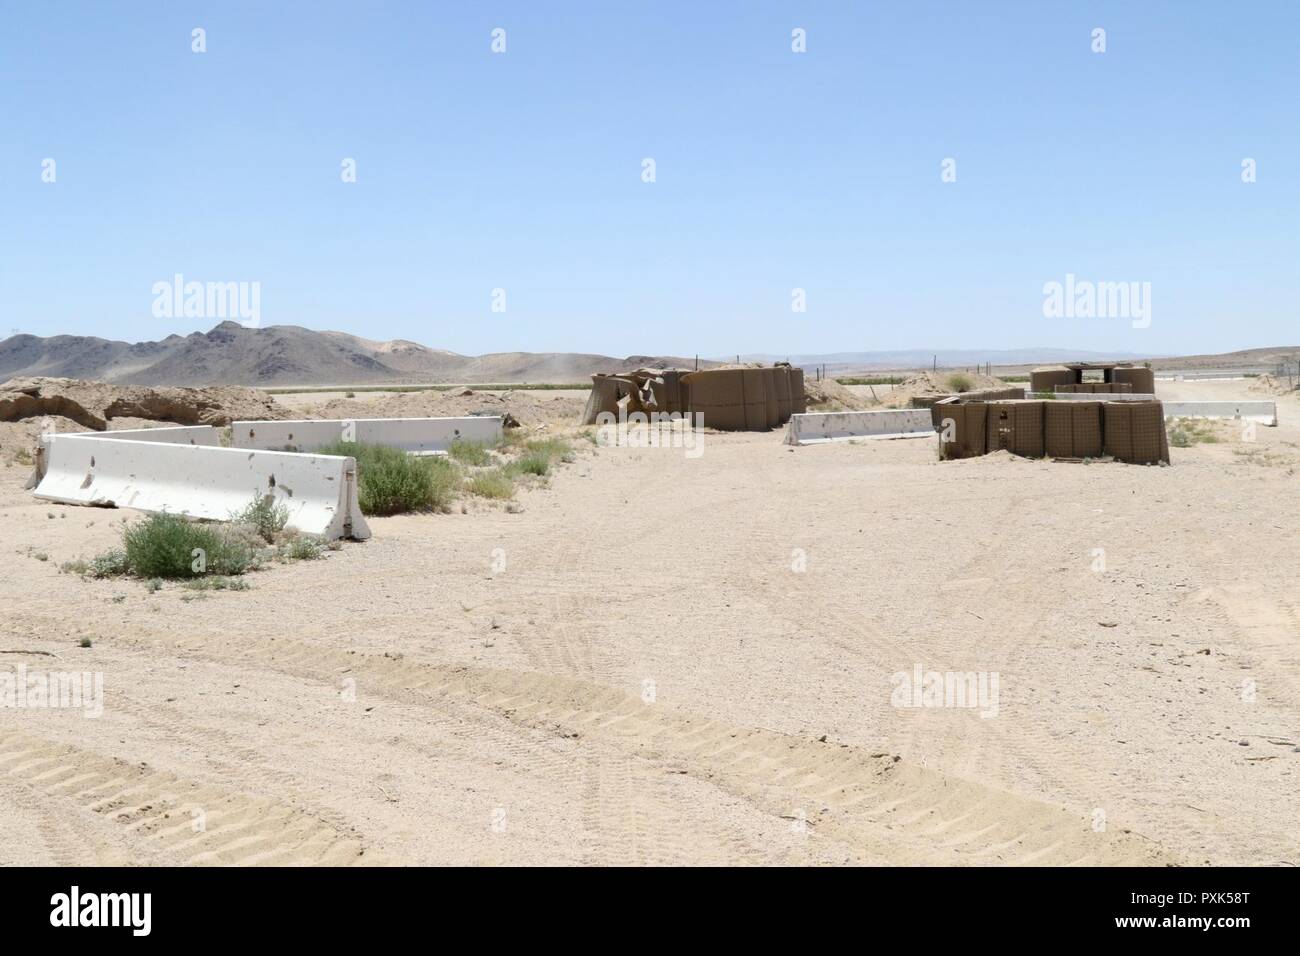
(603,398)
(798,398)
(730,399)
(1105,388)
(966,439)
(755,385)
(668,392)
(1139,379)
(773,404)
(784,403)
(673,385)
(661,397)
(1135,432)
(939,409)
(983,395)
(1047,378)
(1016,426)
(978,395)
(1072,429)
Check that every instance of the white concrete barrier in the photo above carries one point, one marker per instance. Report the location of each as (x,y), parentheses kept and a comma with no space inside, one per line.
(813,428)
(1101,397)
(409,434)
(1254,411)
(171,434)
(177,435)
(201,481)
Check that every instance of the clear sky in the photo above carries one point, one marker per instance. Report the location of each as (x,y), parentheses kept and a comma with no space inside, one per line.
(774,170)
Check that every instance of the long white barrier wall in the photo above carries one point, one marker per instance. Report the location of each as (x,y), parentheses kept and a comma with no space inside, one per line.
(202,481)
(816,427)
(409,434)
(1263,412)
(1101,397)
(175,435)
(1255,411)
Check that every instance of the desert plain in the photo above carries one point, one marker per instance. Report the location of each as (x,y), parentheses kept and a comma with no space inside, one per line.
(659,659)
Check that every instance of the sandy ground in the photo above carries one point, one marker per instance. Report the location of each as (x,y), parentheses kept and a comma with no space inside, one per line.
(671,660)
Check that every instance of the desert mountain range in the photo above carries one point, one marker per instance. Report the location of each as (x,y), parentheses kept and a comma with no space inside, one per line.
(285,355)
(289,355)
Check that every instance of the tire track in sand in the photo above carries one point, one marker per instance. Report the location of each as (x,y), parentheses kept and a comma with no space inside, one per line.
(876,803)
(183,821)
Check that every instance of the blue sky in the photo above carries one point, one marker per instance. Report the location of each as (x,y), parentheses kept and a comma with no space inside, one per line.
(774,171)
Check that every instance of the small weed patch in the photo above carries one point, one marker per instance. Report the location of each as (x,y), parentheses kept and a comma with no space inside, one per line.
(389,481)
(264,515)
(472,453)
(494,483)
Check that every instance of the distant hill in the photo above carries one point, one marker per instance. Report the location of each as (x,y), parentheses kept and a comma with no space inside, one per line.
(287,355)
(947,358)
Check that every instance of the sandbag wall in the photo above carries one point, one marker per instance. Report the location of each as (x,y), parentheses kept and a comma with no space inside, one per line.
(1131,432)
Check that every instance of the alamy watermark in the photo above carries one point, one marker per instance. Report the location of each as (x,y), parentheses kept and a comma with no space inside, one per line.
(1085,299)
(955,689)
(21,689)
(652,430)
(177,299)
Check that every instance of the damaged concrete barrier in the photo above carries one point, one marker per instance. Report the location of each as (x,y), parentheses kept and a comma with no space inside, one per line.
(816,427)
(178,435)
(201,481)
(428,435)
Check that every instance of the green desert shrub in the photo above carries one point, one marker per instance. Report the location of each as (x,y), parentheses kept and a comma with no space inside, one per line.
(553,448)
(305,547)
(471,453)
(389,481)
(264,515)
(960,383)
(1187,432)
(494,483)
(530,463)
(538,455)
(217,582)
(110,564)
(169,546)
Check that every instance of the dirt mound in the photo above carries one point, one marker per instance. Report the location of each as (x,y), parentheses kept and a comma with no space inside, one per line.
(928,384)
(1268,385)
(18,440)
(92,405)
(526,407)
(829,395)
